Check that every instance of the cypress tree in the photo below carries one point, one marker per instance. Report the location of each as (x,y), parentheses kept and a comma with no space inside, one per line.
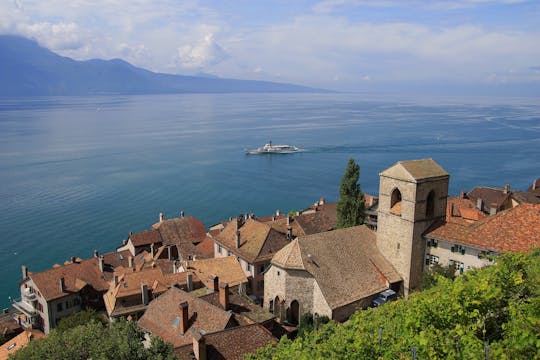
(350,207)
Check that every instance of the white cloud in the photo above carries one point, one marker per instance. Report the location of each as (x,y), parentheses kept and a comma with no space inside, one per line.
(207,52)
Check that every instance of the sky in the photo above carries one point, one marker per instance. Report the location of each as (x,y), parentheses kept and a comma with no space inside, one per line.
(344,45)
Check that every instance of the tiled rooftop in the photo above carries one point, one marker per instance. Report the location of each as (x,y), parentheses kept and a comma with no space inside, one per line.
(145,238)
(228,270)
(516,229)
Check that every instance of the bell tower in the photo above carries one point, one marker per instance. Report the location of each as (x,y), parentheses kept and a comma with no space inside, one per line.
(412,196)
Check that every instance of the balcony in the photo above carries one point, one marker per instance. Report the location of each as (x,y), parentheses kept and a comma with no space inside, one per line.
(24,307)
(29,295)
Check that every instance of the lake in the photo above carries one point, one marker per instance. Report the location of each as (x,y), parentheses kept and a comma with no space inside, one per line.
(80,173)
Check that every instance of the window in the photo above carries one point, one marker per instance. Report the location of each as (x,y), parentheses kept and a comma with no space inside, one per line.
(432,243)
(248,266)
(261,269)
(432,259)
(458,249)
(395,202)
(430,204)
(219,249)
(60,306)
(271,306)
(229,253)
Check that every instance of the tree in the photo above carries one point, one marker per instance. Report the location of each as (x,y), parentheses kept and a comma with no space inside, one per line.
(92,340)
(80,318)
(350,207)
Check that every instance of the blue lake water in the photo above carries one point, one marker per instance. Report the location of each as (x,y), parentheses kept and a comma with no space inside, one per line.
(80,173)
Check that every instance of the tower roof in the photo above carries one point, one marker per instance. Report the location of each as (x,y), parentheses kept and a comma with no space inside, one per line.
(415,170)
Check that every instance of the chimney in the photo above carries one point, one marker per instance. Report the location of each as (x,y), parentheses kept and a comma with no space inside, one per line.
(184,318)
(62,284)
(189,282)
(96,253)
(322,200)
(224,296)
(506,188)
(288,220)
(273,218)
(152,252)
(24,272)
(213,283)
(101,263)
(278,212)
(161,217)
(144,294)
(124,242)
(479,204)
(289,232)
(463,194)
(130,261)
(199,346)
(181,214)
(73,259)
(115,280)
(237,239)
(187,265)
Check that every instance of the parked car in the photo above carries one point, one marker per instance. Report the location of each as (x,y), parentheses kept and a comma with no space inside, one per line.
(385,296)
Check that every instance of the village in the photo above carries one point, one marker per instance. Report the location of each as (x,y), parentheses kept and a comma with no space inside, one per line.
(227,290)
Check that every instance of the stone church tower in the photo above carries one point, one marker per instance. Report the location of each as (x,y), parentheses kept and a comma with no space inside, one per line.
(412,196)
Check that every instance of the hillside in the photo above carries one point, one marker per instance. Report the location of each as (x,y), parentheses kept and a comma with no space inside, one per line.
(27,69)
(494,310)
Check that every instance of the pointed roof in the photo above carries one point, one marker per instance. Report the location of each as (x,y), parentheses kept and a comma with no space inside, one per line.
(289,257)
(415,170)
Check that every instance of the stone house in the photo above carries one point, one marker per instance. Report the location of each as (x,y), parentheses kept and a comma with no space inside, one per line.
(332,273)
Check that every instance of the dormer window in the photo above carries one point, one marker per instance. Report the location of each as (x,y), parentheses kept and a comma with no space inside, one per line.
(395,202)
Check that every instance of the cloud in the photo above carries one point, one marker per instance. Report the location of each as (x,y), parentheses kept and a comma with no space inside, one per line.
(329,6)
(207,52)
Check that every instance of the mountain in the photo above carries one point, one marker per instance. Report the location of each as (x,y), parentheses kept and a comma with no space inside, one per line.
(27,69)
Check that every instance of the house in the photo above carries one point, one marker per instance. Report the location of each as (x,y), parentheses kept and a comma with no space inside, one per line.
(227,269)
(492,200)
(234,343)
(465,243)
(253,243)
(50,295)
(174,314)
(178,236)
(18,342)
(333,274)
(130,292)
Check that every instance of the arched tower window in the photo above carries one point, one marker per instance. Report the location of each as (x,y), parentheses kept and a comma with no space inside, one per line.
(395,202)
(430,204)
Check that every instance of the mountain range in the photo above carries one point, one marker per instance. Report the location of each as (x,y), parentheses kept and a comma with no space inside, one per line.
(28,69)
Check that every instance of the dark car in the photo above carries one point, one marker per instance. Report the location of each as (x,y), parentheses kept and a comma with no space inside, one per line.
(385,296)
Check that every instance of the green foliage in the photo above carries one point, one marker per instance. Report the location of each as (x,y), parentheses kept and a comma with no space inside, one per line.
(93,340)
(498,306)
(429,278)
(80,318)
(350,207)
(310,322)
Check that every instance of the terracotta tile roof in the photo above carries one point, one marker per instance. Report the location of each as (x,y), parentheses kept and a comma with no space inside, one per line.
(516,229)
(228,270)
(163,315)
(77,275)
(461,210)
(323,219)
(206,246)
(491,197)
(415,169)
(232,344)
(279,223)
(18,342)
(258,241)
(345,263)
(145,238)
(181,230)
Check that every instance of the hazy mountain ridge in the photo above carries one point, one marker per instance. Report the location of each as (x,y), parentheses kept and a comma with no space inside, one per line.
(27,69)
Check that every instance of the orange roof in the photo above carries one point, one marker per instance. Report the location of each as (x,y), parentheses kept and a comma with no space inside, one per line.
(18,342)
(516,229)
(462,210)
(258,241)
(206,246)
(228,270)
(145,238)
(163,315)
(181,230)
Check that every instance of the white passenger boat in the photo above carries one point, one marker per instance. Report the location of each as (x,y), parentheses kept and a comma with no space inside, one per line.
(274,149)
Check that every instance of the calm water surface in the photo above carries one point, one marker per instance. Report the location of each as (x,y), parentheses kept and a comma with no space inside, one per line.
(80,173)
